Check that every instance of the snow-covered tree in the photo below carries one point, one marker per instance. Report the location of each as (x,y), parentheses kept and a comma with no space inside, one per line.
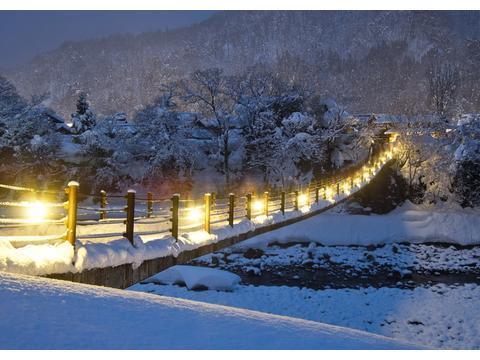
(11,103)
(206,88)
(84,118)
(426,158)
(466,182)
(443,83)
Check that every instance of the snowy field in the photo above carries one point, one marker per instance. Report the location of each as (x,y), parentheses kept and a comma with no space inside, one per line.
(41,313)
(440,316)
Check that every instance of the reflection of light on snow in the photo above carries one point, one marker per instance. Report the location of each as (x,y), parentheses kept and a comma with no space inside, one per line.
(200,236)
(261,219)
(366,176)
(36,211)
(304,209)
(329,194)
(194,214)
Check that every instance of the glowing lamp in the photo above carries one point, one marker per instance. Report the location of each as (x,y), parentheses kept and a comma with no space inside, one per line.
(194,214)
(302,199)
(258,206)
(37,211)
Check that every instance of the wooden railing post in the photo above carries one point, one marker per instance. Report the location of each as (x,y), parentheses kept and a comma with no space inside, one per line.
(149,204)
(249,206)
(103,204)
(282,203)
(265,203)
(317,190)
(296,201)
(207,202)
(130,209)
(174,209)
(231,208)
(338,188)
(72,191)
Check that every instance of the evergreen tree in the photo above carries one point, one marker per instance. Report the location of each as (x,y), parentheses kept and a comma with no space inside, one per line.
(84,119)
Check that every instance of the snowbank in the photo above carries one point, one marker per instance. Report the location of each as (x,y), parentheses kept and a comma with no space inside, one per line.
(439,316)
(195,277)
(409,223)
(48,314)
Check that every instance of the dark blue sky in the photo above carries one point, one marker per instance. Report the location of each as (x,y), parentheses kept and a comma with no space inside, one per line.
(23,34)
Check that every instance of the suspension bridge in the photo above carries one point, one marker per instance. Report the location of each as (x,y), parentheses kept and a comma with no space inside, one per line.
(119,240)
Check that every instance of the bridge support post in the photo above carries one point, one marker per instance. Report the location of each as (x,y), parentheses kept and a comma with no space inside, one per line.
(282,203)
(296,201)
(317,190)
(338,188)
(207,201)
(130,221)
(174,209)
(149,205)
(72,191)
(265,203)
(231,208)
(249,206)
(103,204)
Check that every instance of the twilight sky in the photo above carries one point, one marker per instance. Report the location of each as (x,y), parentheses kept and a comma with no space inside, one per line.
(24,34)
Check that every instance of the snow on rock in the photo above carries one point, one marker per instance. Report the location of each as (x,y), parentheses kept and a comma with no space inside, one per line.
(42,313)
(195,277)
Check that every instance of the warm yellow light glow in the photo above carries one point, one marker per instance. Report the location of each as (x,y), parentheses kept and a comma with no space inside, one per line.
(346,188)
(329,194)
(194,214)
(302,199)
(357,181)
(257,205)
(37,211)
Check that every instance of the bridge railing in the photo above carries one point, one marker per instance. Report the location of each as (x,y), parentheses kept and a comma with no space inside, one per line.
(175,216)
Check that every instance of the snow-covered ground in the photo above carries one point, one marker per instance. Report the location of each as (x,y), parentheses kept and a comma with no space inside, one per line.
(39,313)
(440,316)
(408,223)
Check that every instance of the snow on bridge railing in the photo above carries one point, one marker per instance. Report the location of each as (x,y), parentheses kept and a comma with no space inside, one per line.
(176,216)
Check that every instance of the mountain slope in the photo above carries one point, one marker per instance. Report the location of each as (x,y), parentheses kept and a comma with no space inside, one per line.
(369,60)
